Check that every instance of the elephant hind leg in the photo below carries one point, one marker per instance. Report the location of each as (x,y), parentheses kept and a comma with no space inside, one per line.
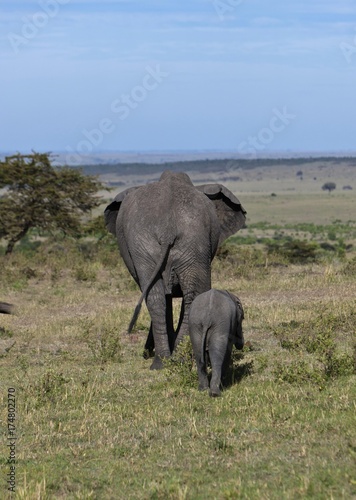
(149,350)
(202,376)
(156,305)
(169,322)
(215,390)
(227,369)
(216,360)
(220,356)
(197,337)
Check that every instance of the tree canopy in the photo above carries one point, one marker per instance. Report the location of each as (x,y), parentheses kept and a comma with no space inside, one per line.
(39,195)
(328,186)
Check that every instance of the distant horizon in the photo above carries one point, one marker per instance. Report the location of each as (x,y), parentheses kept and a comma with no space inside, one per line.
(167,156)
(263,154)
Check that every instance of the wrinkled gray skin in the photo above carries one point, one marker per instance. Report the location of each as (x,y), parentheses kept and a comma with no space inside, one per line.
(215,325)
(6,308)
(168,233)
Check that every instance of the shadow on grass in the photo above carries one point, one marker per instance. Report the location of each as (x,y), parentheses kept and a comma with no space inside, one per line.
(236,373)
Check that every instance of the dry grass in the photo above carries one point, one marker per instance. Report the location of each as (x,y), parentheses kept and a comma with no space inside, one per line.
(293,208)
(94,422)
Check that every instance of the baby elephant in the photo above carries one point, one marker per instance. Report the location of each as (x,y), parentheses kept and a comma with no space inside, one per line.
(215,325)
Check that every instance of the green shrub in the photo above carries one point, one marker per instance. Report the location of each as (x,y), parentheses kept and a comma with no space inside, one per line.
(85,272)
(295,251)
(339,364)
(102,340)
(318,338)
(298,372)
(236,261)
(49,388)
(5,333)
(95,227)
(180,367)
(349,268)
(244,240)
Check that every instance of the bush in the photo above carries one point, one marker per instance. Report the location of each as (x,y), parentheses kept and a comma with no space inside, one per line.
(295,251)
(298,372)
(102,340)
(350,267)
(85,272)
(318,338)
(180,367)
(237,261)
(328,186)
(339,365)
(49,388)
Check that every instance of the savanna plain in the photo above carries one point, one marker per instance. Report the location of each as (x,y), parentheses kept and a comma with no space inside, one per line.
(92,421)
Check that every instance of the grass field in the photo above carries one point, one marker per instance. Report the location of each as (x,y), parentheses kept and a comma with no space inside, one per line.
(92,421)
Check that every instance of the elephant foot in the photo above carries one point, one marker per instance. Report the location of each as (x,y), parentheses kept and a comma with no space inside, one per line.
(239,344)
(148,353)
(203,385)
(215,392)
(202,388)
(157,363)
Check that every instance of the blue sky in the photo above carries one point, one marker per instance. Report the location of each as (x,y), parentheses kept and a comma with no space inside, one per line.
(233,75)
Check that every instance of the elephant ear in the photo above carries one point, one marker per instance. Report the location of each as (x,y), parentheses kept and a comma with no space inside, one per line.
(111,211)
(238,304)
(229,210)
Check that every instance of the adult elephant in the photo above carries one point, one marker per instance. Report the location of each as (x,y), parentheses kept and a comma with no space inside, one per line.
(168,233)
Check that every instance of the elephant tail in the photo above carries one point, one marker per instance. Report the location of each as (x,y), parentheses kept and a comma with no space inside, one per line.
(164,254)
(203,352)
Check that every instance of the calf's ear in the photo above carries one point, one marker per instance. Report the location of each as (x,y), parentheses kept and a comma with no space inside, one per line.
(238,304)
(240,341)
(111,211)
(230,212)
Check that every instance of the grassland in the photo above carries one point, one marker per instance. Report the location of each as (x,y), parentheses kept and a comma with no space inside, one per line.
(94,422)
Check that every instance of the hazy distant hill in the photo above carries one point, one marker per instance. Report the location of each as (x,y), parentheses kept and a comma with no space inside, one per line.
(227,166)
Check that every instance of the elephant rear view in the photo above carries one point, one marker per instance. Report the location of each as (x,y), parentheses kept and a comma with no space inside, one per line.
(215,325)
(168,233)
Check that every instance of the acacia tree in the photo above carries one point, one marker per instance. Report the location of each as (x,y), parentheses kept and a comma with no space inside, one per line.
(39,195)
(328,186)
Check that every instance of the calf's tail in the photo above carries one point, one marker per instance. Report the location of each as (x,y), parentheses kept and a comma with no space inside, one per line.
(203,352)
